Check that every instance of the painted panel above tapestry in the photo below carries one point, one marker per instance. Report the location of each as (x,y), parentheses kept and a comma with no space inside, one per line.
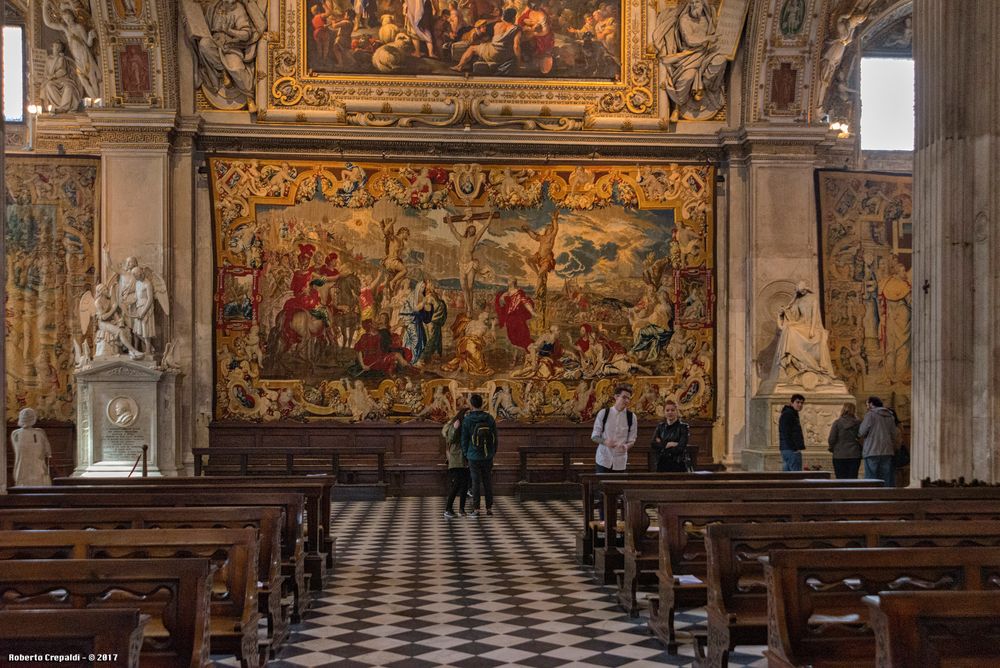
(866,251)
(381,291)
(561,65)
(52,210)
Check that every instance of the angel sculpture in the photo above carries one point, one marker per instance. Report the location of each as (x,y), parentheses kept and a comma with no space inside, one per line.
(111,334)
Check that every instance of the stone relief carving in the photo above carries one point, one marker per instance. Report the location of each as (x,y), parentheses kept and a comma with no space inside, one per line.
(224,36)
(60,92)
(73,20)
(122,411)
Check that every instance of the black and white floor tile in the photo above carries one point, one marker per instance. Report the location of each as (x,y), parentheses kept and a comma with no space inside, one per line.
(414,589)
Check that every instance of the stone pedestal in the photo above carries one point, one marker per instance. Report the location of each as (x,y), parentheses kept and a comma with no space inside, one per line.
(818,414)
(122,405)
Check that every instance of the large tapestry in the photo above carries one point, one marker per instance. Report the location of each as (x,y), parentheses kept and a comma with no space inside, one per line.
(866,246)
(52,206)
(380,291)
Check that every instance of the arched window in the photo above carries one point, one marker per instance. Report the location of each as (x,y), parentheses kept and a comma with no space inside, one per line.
(887,104)
(13,73)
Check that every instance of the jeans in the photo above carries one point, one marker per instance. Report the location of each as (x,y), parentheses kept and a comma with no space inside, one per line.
(792,459)
(880,467)
(482,482)
(458,485)
(846,469)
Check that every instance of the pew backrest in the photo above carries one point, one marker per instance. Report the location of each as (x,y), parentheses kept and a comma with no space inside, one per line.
(114,634)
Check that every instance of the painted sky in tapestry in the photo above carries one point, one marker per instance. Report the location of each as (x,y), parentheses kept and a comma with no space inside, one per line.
(568,39)
(51,213)
(385,291)
(866,246)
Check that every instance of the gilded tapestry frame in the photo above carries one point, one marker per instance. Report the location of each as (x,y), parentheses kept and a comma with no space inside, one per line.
(634,101)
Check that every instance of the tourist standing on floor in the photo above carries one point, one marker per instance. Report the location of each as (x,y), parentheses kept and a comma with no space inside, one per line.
(790,439)
(458,474)
(880,433)
(615,429)
(845,443)
(479,444)
(670,442)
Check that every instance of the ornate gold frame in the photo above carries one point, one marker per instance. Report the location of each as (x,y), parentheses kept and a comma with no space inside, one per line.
(292,94)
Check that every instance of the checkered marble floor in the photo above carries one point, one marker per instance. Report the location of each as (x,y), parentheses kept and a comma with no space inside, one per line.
(413,589)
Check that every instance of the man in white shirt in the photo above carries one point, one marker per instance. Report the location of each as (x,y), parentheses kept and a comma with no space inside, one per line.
(614,432)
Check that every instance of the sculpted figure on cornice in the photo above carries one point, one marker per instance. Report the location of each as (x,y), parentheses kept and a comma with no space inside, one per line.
(59,91)
(838,39)
(686,38)
(224,35)
(73,20)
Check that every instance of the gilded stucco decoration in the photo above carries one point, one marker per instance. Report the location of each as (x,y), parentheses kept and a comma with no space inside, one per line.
(557,65)
(51,212)
(866,247)
(386,291)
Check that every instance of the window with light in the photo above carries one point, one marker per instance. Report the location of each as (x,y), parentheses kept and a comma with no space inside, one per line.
(887,104)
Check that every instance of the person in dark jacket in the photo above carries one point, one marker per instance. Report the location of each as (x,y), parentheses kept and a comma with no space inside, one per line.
(670,441)
(479,444)
(790,439)
(880,433)
(845,444)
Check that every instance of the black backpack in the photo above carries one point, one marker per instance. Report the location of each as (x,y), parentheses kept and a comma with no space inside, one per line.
(484,439)
(607,411)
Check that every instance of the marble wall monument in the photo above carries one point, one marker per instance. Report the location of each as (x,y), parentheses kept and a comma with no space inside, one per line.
(801,365)
(125,399)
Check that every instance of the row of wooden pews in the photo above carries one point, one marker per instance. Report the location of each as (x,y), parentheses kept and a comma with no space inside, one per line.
(203,561)
(801,565)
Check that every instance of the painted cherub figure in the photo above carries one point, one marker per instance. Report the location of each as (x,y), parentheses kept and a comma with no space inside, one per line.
(32,451)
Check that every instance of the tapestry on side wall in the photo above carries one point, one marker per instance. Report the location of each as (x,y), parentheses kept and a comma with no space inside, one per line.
(866,248)
(52,206)
(380,291)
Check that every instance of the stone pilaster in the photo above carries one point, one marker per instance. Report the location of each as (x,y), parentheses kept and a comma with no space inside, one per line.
(956,308)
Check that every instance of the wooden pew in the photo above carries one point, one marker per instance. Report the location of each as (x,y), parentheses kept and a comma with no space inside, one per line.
(292,505)
(935,628)
(266,520)
(737,597)
(173,592)
(234,614)
(816,612)
(607,552)
(682,561)
(588,481)
(318,523)
(319,545)
(112,636)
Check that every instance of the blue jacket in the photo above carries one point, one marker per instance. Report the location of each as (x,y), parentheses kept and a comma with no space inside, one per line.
(474,419)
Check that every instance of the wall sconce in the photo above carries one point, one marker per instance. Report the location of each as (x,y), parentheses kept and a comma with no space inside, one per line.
(93,103)
(842,129)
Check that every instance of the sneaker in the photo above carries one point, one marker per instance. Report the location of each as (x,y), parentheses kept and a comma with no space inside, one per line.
(449,514)
(489,512)
(469,494)
(463,514)
(474,513)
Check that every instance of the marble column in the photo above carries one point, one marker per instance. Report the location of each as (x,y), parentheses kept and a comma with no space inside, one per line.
(956,286)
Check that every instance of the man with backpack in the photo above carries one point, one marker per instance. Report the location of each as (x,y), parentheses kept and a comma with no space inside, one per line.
(615,429)
(479,443)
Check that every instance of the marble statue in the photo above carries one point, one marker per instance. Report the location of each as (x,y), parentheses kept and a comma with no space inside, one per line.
(124,308)
(835,48)
(32,451)
(225,37)
(73,23)
(687,42)
(803,354)
(59,92)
